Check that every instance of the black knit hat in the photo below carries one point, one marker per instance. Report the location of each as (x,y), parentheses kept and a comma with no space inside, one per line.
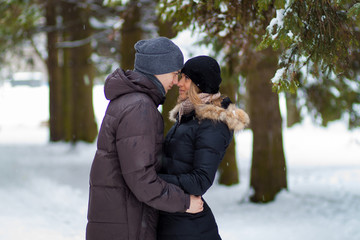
(204,71)
(157,56)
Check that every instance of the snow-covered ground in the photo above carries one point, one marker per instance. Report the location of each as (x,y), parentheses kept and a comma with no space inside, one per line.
(44,186)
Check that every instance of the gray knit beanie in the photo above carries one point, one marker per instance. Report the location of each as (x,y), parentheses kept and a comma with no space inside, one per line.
(158,56)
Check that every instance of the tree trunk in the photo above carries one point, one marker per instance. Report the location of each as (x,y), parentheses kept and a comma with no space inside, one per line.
(228,169)
(84,124)
(67,104)
(293,115)
(268,170)
(171,99)
(54,77)
(79,117)
(131,32)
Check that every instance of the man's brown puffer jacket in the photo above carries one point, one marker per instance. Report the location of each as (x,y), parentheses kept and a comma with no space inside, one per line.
(124,186)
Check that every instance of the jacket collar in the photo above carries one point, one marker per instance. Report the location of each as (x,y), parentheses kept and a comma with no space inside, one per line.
(122,82)
(235,118)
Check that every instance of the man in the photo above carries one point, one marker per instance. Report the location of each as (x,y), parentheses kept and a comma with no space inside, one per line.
(125,190)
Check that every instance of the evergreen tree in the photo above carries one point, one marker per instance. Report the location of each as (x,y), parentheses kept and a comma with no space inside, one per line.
(233,27)
(320,43)
(69,65)
(314,33)
(18,20)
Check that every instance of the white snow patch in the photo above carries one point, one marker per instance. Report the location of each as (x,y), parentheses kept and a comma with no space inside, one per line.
(279,73)
(277,22)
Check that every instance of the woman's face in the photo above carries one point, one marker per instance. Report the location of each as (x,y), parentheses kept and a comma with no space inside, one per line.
(184,86)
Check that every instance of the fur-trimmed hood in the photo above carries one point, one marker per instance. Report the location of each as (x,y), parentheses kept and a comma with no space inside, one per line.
(235,118)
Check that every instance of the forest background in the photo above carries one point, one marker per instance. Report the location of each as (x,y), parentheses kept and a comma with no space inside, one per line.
(309,50)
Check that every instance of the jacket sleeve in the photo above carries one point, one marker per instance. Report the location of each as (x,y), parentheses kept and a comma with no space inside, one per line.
(173,179)
(136,146)
(211,142)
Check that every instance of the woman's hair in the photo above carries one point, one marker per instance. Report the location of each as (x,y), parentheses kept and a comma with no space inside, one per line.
(193,95)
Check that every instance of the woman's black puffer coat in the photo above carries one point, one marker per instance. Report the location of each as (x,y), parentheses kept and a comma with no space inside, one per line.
(194,148)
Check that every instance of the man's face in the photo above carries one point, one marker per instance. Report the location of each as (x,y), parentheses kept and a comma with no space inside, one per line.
(169,79)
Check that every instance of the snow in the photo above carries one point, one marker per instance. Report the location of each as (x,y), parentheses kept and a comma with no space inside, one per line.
(44,186)
(277,22)
(189,44)
(279,73)
(290,34)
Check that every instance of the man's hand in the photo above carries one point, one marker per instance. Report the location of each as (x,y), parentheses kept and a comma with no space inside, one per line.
(196,204)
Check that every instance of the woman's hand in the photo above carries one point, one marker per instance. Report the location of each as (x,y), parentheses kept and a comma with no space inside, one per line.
(196,204)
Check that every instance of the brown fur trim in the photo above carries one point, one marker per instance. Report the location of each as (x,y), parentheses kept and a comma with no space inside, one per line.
(235,118)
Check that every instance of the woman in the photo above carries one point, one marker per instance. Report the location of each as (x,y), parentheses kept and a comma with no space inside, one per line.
(196,144)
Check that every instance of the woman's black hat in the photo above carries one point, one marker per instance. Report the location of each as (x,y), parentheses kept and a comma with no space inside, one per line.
(204,71)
